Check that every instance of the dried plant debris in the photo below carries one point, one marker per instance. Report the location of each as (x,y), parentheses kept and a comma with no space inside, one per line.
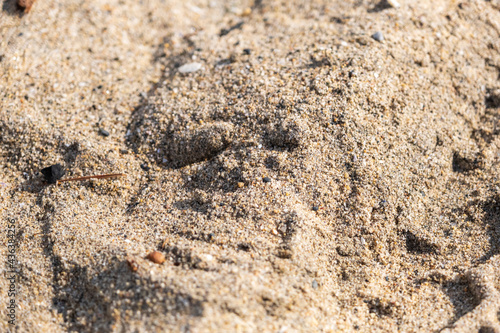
(26,4)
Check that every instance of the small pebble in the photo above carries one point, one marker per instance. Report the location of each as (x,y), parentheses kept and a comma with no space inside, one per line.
(241,184)
(378,36)
(247,11)
(53,173)
(190,68)
(103,132)
(266,180)
(145,167)
(315,284)
(315,208)
(156,257)
(123,151)
(247,51)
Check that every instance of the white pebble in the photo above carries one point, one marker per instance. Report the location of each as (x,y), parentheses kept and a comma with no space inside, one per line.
(191,67)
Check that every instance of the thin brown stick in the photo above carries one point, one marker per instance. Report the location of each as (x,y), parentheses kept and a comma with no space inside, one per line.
(111,175)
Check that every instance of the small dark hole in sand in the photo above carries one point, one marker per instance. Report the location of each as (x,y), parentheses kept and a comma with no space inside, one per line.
(463,164)
(418,245)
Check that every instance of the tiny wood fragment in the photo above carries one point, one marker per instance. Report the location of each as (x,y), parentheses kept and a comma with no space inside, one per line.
(26,4)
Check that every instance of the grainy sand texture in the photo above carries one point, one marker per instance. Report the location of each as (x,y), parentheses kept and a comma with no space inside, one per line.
(293,170)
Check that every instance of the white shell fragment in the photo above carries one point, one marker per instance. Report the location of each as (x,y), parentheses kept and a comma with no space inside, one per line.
(393,3)
(190,68)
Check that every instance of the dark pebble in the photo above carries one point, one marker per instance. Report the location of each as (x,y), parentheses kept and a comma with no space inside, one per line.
(123,151)
(266,179)
(103,132)
(53,173)
(315,208)
(145,167)
(378,36)
(247,51)
(315,284)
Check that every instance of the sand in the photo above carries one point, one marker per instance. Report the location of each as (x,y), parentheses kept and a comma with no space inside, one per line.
(297,174)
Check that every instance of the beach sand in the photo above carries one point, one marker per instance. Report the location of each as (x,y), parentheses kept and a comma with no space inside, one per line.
(298,173)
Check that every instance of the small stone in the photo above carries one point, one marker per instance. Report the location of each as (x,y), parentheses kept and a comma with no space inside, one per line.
(247,51)
(145,167)
(241,184)
(266,179)
(190,68)
(315,284)
(103,132)
(378,36)
(247,11)
(393,3)
(124,151)
(53,173)
(156,257)
(315,208)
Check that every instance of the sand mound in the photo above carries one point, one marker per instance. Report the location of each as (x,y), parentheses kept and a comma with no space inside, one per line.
(297,173)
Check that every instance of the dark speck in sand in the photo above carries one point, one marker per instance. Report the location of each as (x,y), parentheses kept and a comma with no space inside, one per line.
(247,51)
(224,32)
(145,167)
(53,173)
(315,208)
(266,180)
